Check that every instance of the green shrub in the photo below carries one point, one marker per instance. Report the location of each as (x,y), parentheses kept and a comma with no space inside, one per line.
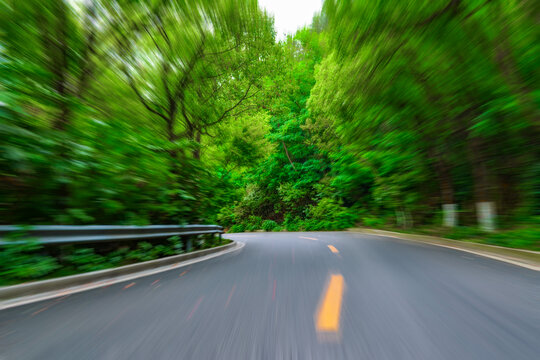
(237,228)
(251,227)
(329,214)
(371,221)
(254,222)
(86,260)
(464,232)
(293,226)
(268,225)
(23,261)
(528,238)
(176,245)
(226,216)
(118,256)
(143,252)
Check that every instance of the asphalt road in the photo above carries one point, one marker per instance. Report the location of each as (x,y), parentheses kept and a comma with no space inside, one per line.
(291,296)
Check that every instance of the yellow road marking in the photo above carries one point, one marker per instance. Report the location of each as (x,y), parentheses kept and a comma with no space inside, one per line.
(333,249)
(328,314)
(309,238)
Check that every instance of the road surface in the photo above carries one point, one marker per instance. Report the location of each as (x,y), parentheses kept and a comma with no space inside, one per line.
(320,295)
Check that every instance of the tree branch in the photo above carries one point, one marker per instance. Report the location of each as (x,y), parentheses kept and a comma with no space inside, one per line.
(139,95)
(226,112)
(288,156)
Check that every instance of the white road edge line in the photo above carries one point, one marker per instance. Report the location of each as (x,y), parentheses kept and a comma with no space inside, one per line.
(309,238)
(494,257)
(7,304)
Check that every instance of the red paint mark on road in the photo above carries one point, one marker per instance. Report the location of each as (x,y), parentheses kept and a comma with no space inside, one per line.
(40,310)
(129,285)
(155,282)
(56,301)
(230,296)
(183,273)
(274,292)
(195,307)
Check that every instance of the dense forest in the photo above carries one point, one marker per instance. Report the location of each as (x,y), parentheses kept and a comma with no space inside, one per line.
(380,113)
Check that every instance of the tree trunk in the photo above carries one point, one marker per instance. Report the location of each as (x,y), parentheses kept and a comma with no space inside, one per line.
(60,67)
(447,192)
(483,189)
(197,150)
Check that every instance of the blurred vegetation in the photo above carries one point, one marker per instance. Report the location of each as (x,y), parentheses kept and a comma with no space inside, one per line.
(398,107)
(378,113)
(27,261)
(106,107)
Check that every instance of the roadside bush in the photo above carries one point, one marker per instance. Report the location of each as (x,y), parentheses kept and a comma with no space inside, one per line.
(464,232)
(237,228)
(143,252)
(521,238)
(29,260)
(255,222)
(268,225)
(328,214)
(19,262)
(118,256)
(292,224)
(85,260)
(176,245)
(371,221)
(226,216)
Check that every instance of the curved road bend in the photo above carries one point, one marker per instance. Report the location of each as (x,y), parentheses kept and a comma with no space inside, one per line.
(320,295)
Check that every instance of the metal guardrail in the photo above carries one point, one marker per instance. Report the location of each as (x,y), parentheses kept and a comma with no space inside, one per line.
(67,234)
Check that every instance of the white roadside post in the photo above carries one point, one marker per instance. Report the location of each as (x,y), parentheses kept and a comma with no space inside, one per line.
(449,215)
(485,211)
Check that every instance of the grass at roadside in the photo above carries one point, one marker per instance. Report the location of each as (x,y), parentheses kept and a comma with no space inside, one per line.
(31,261)
(526,237)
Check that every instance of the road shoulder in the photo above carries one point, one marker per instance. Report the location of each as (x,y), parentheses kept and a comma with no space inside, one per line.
(523,258)
(16,295)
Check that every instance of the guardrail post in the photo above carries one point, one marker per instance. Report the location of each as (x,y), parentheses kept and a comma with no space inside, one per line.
(189,244)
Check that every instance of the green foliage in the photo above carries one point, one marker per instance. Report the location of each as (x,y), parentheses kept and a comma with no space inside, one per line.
(391,108)
(86,260)
(226,216)
(332,215)
(371,221)
(73,153)
(465,232)
(253,223)
(269,225)
(526,238)
(28,260)
(237,228)
(144,252)
(23,261)
(176,246)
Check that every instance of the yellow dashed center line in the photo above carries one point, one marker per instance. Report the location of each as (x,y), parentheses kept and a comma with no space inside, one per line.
(328,314)
(309,238)
(333,249)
